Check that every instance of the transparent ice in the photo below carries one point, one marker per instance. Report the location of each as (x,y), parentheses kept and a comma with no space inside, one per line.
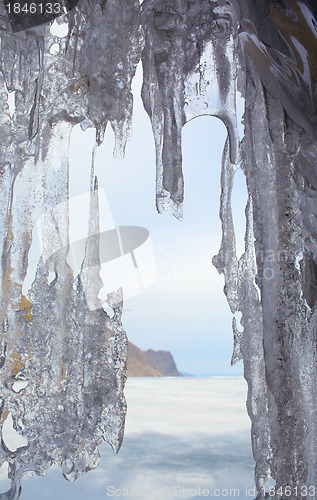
(196,55)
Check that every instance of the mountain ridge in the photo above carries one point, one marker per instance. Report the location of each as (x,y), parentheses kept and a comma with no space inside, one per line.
(150,363)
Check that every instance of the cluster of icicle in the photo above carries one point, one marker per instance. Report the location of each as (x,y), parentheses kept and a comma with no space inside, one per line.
(196,55)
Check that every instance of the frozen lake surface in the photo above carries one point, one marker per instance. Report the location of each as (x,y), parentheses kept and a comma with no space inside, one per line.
(185,438)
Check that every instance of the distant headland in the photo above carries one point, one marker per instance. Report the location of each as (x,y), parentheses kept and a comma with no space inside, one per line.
(151,363)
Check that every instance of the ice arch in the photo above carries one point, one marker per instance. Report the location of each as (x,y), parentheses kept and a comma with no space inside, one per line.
(195,55)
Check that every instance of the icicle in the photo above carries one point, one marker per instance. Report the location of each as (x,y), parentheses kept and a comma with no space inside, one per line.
(90,269)
(237,343)
(226,261)
(111,53)
(72,356)
(188,68)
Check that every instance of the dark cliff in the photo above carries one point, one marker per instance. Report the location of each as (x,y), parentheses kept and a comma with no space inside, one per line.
(150,363)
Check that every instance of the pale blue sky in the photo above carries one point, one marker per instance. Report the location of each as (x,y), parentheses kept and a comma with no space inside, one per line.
(184,310)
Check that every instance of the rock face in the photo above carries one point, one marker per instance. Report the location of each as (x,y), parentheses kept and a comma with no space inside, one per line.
(164,362)
(150,363)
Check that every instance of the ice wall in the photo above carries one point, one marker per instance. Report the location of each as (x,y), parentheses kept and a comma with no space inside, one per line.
(71,357)
(196,55)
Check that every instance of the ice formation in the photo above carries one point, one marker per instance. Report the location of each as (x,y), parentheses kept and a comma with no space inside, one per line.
(196,55)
